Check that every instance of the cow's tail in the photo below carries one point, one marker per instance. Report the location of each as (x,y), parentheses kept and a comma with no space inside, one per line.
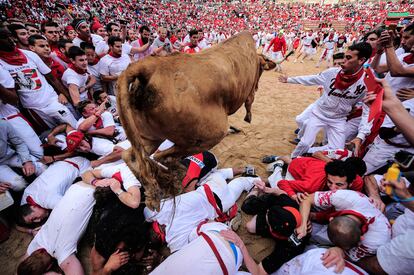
(156,180)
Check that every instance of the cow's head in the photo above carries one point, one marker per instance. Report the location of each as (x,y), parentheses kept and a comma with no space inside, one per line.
(265,63)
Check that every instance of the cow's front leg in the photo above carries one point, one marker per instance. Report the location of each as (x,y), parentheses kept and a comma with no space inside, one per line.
(248,105)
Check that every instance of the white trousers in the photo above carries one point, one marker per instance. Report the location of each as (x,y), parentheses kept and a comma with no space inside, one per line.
(56,113)
(335,132)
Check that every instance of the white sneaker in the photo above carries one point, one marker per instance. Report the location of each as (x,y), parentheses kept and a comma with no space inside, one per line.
(271,166)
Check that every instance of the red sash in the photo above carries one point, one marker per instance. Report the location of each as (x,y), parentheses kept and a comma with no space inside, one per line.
(222,217)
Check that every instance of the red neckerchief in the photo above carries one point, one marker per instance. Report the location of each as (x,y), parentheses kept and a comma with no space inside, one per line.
(112,54)
(15,57)
(344,81)
(364,221)
(77,70)
(62,56)
(117,176)
(98,123)
(30,201)
(409,59)
(95,61)
(56,67)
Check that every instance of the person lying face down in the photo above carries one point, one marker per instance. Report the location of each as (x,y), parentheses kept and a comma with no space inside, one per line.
(58,238)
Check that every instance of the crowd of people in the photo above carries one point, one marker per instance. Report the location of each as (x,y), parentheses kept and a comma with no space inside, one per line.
(328,206)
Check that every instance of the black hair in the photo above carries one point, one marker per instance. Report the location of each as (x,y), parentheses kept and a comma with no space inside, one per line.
(87,45)
(21,212)
(34,37)
(409,28)
(377,32)
(338,56)
(48,24)
(76,22)
(113,39)
(144,28)
(193,32)
(62,43)
(14,27)
(108,26)
(364,49)
(340,169)
(356,164)
(31,25)
(75,51)
(82,104)
(96,94)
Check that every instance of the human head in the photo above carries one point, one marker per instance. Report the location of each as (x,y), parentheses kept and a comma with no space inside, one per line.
(115,45)
(193,37)
(70,33)
(82,28)
(132,35)
(76,141)
(198,167)
(344,232)
(87,108)
(162,32)
(19,34)
(28,214)
(39,262)
(98,29)
(357,165)
(89,49)
(32,29)
(64,45)
(407,38)
(6,42)
(78,57)
(372,38)
(51,30)
(338,175)
(338,59)
(113,29)
(39,45)
(355,57)
(145,33)
(100,96)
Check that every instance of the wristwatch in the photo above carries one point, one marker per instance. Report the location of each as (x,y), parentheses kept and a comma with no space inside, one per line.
(118,193)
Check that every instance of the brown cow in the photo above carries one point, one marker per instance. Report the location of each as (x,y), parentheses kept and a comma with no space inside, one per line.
(186,99)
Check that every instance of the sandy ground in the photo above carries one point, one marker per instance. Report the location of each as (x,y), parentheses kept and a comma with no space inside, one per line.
(274,111)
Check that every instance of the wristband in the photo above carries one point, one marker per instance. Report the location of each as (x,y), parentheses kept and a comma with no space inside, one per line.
(118,193)
(94,181)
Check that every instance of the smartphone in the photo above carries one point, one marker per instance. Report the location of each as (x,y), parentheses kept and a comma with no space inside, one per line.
(295,240)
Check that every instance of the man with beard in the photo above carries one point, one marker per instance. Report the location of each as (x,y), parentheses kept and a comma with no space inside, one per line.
(84,35)
(61,53)
(20,36)
(145,34)
(50,31)
(116,30)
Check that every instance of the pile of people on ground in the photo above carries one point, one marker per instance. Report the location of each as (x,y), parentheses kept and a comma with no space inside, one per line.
(327,206)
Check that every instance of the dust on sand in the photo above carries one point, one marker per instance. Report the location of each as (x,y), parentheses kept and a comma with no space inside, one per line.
(274,110)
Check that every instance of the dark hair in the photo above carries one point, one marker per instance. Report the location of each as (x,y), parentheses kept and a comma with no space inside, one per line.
(62,43)
(144,28)
(193,32)
(83,104)
(109,26)
(377,32)
(356,164)
(344,232)
(76,22)
(113,39)
(409,28)
(338,56)
(87,45)
(34,264)
(21,212)
(340,169)
(96,94)
(48,24)
(364,49)
(75,51)
(34,37)
(14,27)
(31,25)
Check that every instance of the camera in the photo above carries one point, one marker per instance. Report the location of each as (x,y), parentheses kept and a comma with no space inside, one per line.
(404,159)
(295,240)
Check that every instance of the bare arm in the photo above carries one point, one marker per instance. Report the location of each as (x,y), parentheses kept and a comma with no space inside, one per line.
(9,96)
(321,156)
(304,210)
(74,94)
(89,176)
(131,198)
(141,49)
(114,156)
(72,266)
(375,63)
(108,78)
(59,88)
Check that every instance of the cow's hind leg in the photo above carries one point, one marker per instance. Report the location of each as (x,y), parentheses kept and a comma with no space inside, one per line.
(248,105)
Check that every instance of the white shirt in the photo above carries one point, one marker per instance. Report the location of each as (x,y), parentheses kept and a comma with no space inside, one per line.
(33,89)
(403,223)
(107,120)
(80,80)
(7,81)
(101,47)
(128,178)
(109,65)
(103,147)
(180,217)
(66,224)
(399,82)
(310,263)
(48,188)
(379,229)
